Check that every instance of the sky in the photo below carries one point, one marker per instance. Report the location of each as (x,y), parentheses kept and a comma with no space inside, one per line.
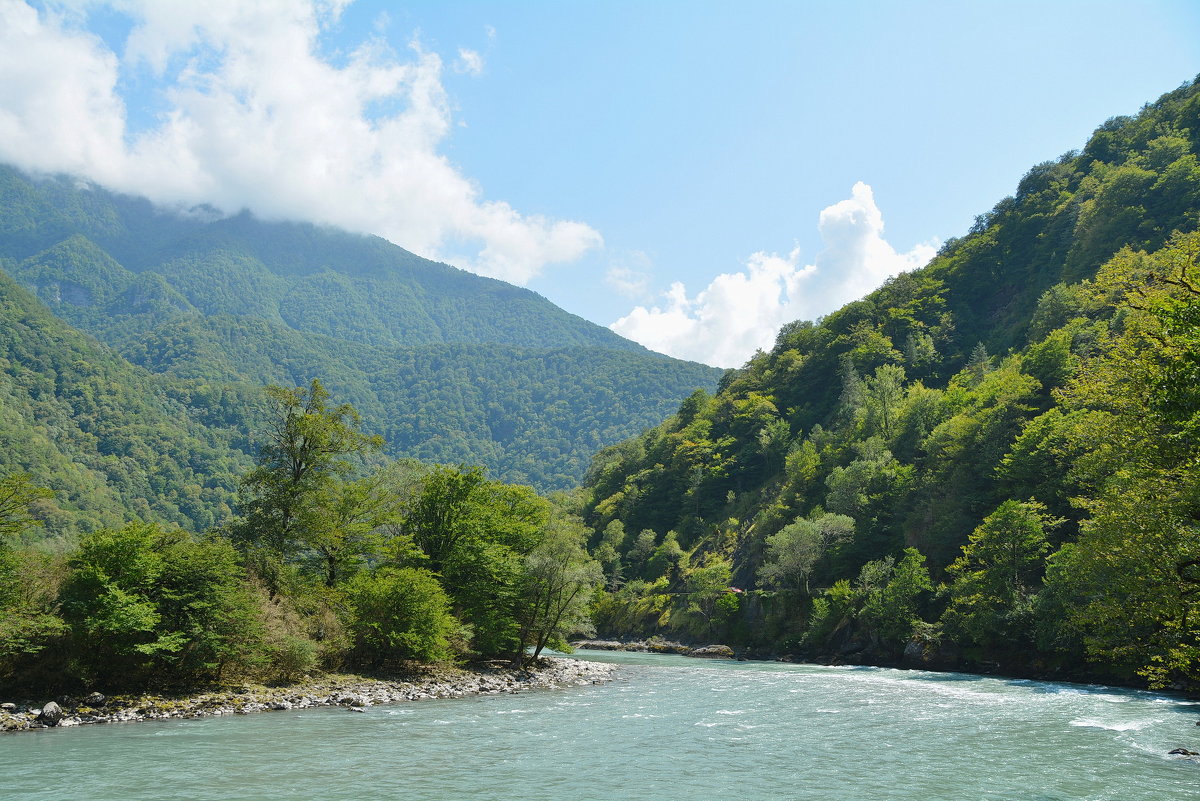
(691,174)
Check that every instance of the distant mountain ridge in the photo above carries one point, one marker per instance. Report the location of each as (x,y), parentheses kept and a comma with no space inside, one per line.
(277,271)
(449,366)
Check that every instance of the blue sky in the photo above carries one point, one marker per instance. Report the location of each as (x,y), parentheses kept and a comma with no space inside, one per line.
(696,173)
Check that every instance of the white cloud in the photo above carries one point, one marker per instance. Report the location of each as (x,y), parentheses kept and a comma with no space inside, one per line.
(741,312)
(469,62)
(257,119)
(58,106)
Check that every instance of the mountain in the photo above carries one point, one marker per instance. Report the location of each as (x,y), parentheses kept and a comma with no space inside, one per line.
(114,441)
(1017,422)
(448,366)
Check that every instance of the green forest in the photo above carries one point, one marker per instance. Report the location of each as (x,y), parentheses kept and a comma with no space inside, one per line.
(447,366)
(334,562)
(991,462)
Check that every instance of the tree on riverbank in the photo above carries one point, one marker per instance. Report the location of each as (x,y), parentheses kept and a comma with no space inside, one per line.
(996,579)
(556,590)
(1128,589)
(150,606)
(400,614)
(295,497)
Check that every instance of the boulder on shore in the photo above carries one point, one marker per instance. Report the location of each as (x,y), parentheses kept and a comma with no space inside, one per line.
(601,645)
(713,652)
(930,654)
(51,714)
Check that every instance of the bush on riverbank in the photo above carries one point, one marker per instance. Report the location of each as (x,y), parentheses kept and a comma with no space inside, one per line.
(400,614)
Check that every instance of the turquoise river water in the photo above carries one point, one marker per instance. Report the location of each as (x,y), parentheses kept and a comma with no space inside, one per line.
(668,728)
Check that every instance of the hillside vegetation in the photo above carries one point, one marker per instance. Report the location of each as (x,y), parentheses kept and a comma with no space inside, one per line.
(335,559)
(114,441)
(993,459)
(447,366)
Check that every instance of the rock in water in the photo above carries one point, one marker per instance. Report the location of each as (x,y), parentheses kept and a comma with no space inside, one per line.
(51,714)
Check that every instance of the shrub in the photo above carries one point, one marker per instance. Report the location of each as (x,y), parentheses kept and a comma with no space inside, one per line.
(400,614)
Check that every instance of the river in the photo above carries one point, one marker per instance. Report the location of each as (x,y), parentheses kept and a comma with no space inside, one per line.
(670,728)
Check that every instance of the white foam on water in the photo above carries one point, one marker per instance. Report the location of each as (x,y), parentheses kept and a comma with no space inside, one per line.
(1128,725)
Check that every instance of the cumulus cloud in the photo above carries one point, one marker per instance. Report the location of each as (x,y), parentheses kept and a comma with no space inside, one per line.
(741,312)
(58,105)
(257,119)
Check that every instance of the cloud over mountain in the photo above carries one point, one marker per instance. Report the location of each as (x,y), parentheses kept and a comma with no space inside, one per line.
(740,312)
(255,114)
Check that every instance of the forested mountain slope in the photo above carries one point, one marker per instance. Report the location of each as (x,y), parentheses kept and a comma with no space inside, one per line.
(113,441)
(994,456)
(449,366)
(97,252)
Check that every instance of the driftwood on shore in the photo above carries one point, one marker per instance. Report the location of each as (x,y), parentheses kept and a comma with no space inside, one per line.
(349,691)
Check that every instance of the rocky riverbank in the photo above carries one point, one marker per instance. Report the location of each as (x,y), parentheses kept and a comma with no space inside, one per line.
(657,645)
(352,692)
